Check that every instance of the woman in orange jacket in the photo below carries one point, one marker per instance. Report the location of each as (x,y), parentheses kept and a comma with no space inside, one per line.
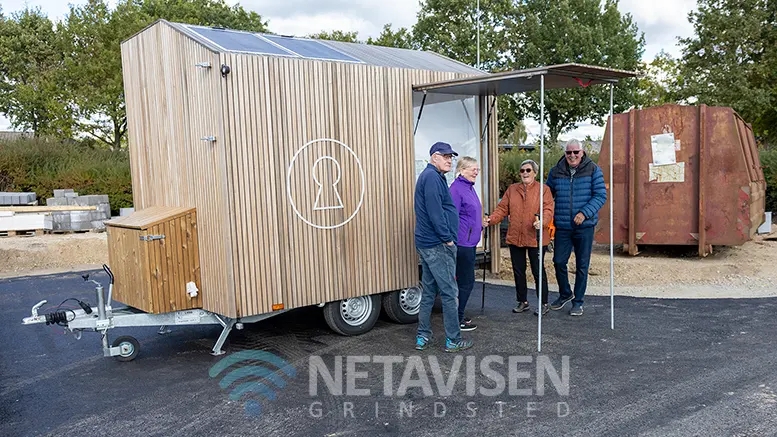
(521,203)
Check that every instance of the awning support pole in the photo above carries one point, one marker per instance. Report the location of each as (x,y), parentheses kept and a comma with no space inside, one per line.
(538,285)
(485,230)
(612,185)
(420,111)
(488,118)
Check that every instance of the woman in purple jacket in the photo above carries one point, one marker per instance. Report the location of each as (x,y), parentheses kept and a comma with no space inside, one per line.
(470,226)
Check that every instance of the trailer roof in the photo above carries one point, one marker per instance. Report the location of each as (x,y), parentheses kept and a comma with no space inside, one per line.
(226,40)
(520,81)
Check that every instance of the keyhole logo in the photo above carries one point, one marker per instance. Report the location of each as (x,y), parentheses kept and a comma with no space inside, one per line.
(325,183)
(331,186)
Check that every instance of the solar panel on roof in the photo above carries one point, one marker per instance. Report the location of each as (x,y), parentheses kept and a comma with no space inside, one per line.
(240,41)
(310,49)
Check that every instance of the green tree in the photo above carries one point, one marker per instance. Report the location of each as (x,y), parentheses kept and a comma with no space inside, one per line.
(336,35)
(401,38)
(732,61)
(518,135)
(449,27)
(203,12)
(94,66)
(658,84)
(548,32)
(32,95)
(94,54)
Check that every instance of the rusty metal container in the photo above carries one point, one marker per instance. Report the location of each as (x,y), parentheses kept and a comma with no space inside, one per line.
(712,194)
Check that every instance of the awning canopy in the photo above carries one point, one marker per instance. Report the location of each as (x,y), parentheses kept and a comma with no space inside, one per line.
(520,81)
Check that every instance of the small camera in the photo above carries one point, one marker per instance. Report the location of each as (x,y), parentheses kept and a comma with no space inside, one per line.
(225,70)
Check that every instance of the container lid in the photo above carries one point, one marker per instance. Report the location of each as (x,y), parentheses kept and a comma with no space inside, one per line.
(145,218)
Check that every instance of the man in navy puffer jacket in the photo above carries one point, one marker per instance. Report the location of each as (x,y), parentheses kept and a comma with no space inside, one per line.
(578,188)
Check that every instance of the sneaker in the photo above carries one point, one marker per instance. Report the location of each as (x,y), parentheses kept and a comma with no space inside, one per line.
(521,307)
(421,342)
(467,325)
(457,346)
(577,310)
(560,302)
(545,310)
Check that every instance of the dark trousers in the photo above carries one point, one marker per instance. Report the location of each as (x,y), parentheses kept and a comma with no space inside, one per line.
(465,276)
(581,240)
(518,258)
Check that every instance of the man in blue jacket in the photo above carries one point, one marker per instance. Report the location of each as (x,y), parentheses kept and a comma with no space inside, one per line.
(578,188)
(436,233)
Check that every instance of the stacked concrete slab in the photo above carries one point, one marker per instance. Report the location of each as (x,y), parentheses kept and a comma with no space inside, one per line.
(11,199)
(79,220)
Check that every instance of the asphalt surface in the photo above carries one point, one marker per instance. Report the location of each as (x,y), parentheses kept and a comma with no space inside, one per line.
(671,367)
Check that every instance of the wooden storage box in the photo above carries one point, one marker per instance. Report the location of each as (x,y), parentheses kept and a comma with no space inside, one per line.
(154,255)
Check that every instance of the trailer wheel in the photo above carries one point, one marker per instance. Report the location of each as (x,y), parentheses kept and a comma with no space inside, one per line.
(129,347)
(352,316)
(402,306)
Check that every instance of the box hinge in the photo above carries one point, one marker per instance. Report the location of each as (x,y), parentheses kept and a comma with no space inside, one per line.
(151,237)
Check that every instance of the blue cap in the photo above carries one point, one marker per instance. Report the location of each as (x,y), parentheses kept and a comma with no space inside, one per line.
(442,148)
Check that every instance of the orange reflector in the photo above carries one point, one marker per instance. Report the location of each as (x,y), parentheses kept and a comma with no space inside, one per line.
(277,306)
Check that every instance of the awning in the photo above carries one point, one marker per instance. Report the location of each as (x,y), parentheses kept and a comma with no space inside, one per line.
(521,81)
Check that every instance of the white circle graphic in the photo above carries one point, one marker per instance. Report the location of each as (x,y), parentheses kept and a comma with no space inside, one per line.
(288,183)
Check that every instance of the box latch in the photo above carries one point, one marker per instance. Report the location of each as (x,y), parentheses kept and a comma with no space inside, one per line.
(151,237)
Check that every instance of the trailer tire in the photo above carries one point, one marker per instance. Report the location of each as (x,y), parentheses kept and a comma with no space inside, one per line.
(132,345)
(402,306)
(352,316)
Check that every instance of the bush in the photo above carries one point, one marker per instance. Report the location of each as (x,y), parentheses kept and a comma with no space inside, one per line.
(41,166)
(769,162)
(510,163)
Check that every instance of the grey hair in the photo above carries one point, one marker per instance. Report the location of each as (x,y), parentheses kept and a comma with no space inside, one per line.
(534,165)
(464,162)
(573,142)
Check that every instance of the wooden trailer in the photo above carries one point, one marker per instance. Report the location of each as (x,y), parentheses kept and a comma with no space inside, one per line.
(271,173)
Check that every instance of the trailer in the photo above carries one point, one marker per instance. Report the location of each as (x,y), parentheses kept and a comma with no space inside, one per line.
(271,173)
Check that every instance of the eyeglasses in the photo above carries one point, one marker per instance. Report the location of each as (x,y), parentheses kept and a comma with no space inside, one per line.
(446,156)
(574,152)
(526,170)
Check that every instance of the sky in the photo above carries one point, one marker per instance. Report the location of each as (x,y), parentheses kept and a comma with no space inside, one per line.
(662,21)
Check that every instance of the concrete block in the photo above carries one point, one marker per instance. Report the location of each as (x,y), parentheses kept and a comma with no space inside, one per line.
(56,201)
(105,211)
(80,216)
(80,226)
(17,198)
(73,194)
(96,215)
(98,224)
(61,216)
(128,211)
(82,200)
(61,193)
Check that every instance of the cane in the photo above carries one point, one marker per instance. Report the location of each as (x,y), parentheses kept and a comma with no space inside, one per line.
(483,291)
(538,231)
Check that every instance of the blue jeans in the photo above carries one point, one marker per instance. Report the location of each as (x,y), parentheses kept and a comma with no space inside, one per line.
(438,266)
(465,276)
(581,240)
